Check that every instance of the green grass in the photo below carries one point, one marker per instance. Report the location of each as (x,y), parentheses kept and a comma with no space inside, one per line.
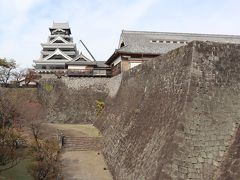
(19,172)
(88,129)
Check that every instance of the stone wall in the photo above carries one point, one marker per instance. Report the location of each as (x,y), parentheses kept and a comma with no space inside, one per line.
(48,76)
(176,116)
(73,100)
(211,111)
(98,84)
(230,168)
(113,85)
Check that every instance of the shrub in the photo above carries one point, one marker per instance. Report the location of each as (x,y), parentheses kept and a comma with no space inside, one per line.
(45,155)
(99,106)
(10,142)
(48,87)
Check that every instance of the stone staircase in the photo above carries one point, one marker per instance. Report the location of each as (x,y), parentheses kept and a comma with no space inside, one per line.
(82,143)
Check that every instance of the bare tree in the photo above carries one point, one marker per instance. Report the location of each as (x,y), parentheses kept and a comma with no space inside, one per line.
(36,132)
(45,152)
(18,75)
(6,69)
(3,62)
(10,140)
(31,76)
(7,111)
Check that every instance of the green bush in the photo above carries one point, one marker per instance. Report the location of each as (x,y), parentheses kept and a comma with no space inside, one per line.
(48,87)
(99,106)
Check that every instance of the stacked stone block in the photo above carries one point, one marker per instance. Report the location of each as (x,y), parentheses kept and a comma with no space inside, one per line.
(175,117)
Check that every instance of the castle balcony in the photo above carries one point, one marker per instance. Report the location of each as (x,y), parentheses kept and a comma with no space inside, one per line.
(59,45)
(69,53)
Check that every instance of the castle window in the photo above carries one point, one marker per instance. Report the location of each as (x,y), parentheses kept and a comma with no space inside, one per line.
(122,44)
(59,41)
(154,41)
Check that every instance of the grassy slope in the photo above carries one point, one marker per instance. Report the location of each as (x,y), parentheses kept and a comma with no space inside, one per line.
(80,130)
(18,172)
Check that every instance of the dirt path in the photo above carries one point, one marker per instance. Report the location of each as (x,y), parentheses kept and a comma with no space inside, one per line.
(81,156)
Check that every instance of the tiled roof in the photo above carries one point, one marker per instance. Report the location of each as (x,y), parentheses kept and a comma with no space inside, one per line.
(156,43)
(81,63)
(81,60)
(60,26)
(81,57)
(101,64)
(150,42)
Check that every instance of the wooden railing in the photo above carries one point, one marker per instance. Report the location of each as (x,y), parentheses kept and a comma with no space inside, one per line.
(77,72)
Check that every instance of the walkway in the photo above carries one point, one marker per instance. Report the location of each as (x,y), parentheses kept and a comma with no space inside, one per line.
(81,157)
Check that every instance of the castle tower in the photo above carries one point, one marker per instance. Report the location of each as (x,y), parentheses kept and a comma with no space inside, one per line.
(60,54)
(59,49)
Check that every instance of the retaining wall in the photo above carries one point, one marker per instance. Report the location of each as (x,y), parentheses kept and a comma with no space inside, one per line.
(176,116)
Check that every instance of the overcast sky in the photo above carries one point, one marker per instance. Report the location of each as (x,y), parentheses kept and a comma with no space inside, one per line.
(24,23)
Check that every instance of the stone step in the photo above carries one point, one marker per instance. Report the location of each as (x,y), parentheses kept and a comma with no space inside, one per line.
(81,140)
(70,141)
(83,149)
(69,137)
(66,145)
(82,143)
(90,144)
(82,146)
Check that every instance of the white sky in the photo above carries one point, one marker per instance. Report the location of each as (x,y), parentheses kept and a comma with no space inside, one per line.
(24,23)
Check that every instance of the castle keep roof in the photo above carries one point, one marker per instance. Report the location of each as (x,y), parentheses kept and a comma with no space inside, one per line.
(60,50)
(60,26)
(60,54)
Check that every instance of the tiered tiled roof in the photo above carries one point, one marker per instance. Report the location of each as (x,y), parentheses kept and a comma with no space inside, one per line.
(60,49)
